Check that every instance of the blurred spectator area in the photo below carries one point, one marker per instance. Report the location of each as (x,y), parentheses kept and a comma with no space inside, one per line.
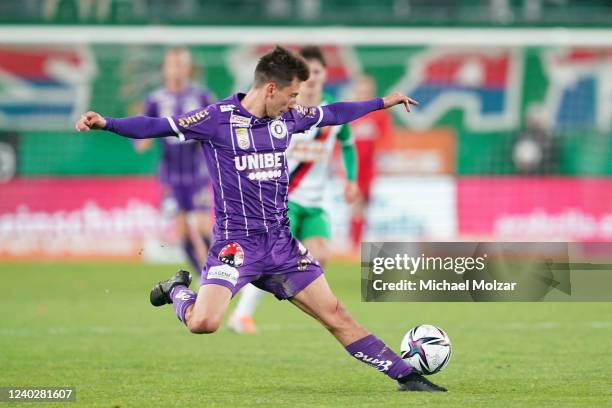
(305,12)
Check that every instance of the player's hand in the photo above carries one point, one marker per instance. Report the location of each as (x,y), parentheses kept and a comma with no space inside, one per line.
(397,98)
(89,121)
(351,192)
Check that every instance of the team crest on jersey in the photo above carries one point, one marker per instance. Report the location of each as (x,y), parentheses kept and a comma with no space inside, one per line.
(278,129)
(242,137)
(232,254)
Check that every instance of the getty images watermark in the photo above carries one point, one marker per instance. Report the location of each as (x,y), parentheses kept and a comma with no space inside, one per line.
(412,264)
(491,271)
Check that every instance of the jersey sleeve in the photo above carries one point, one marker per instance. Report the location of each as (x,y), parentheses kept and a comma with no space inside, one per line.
(306,117)
(349,152)
(200,124)
(343,112)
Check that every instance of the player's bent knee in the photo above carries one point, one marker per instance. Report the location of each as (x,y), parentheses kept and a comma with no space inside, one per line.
(204,325)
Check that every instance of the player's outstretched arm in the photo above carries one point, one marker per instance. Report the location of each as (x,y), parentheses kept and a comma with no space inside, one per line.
(134,127)
(349,157)
(344,112)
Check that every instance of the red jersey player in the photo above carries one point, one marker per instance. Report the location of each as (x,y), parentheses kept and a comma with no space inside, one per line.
(370,132)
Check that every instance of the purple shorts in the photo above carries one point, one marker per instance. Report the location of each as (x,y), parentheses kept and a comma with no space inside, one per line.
(189,197)
(273,261)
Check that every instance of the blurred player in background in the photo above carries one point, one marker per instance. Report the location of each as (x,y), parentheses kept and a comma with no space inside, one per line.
(308,158)
(370,132)
(183,174)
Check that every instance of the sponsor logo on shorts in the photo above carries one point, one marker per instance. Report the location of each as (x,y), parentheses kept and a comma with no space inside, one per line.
(242,136)
(380,365)
(303,263)
(232,254)
(223,272)
(305,258)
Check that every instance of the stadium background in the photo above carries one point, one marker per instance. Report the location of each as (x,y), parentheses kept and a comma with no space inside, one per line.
(485,72)
(511,140)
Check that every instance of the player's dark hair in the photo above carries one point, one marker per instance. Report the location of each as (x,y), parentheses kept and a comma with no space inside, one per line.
(280,66)
(312,52)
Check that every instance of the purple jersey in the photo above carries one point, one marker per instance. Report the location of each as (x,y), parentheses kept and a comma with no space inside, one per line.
(182,163)
(246,162)
(245,155)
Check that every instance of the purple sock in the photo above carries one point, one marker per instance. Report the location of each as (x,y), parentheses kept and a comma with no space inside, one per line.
(191,255)
(182,298)
(372,351)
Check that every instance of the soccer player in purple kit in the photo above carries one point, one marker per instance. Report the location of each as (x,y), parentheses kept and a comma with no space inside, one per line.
(183,173)
(244,139)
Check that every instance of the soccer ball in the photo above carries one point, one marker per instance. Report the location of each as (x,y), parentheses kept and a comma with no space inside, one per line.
(426,348)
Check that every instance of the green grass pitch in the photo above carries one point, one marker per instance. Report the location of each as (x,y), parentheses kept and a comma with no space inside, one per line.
(90,325)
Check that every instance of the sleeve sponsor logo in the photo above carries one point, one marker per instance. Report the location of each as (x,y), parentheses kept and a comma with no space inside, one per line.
(309,111)
(223,272)
(198,117)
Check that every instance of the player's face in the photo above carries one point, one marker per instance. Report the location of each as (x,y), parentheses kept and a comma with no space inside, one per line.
(280,100)
(177,65)
(317,77)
